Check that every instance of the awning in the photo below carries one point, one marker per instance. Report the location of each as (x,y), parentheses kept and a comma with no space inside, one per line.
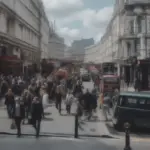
(10,59)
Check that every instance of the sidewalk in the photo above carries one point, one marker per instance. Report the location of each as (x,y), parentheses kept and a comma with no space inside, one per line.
(63,125)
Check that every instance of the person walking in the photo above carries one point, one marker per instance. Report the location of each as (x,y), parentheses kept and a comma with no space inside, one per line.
(88,103)
(58,97)
(18,114)
(9,102)
(37,114)
(69,101)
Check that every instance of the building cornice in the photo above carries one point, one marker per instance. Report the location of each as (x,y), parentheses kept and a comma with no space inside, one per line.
(17,42)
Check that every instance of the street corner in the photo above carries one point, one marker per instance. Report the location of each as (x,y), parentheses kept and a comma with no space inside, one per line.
(112,130)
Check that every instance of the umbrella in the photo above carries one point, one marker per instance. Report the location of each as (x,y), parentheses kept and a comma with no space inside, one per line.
(62,73)
(93,69)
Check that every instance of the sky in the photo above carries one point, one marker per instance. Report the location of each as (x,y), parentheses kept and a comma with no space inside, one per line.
(77,19)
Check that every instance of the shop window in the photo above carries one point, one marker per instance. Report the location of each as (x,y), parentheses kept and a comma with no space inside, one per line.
(3,51)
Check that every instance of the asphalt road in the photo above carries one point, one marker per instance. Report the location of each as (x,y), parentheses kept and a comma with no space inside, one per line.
(30,143)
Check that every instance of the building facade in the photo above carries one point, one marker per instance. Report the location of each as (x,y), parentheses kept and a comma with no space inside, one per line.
(78,48)
(56,46)
(45,33)
(127,41)
(22,30)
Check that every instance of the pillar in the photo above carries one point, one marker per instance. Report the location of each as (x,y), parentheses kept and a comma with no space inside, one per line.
(118,70)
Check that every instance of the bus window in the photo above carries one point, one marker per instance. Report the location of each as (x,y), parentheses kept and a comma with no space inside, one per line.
(111,80)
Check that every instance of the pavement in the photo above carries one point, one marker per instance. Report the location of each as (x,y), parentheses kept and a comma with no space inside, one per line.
(59,125)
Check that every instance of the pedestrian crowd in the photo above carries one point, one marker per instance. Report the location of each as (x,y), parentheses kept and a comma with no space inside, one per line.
(26,99)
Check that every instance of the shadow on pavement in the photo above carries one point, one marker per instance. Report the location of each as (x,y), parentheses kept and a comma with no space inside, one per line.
(48,119)
(93,130)
(47,113)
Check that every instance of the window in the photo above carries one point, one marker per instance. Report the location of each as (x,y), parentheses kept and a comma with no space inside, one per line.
(3,51)
(111,80)
(21,30)
(128,48)
(8,25)
(139,22)
(131,24)
(130,102)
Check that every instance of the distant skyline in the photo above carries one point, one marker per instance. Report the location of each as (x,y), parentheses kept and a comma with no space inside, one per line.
(77,19)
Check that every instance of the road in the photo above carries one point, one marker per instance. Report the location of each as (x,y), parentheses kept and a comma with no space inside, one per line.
(30,143)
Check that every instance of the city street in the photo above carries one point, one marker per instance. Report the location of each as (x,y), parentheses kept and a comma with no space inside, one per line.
(57,125)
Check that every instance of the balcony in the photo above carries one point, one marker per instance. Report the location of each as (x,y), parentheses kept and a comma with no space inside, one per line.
(136,6)
(137,2)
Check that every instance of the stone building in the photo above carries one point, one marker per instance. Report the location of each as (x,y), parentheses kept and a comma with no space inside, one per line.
(56,46)
(23,28)
(127,41)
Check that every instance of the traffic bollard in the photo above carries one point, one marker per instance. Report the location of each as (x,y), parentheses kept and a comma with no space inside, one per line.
(127,136)
(76,126)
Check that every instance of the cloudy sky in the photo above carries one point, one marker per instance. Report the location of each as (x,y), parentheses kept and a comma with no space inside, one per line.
(76,19)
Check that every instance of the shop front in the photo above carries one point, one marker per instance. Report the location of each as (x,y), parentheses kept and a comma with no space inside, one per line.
(143,74)
(11,65)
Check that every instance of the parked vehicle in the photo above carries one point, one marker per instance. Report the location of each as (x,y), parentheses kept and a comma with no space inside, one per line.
(132,107)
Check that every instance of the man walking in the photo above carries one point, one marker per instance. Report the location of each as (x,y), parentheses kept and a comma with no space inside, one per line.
(18,114)
(36,113)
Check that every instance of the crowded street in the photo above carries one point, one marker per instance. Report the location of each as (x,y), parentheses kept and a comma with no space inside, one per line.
(75,74)
(55,124)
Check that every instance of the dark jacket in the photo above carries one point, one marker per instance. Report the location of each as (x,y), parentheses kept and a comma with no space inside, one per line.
(9,99)
(94,101)
(22,111)
(88,101)
(36,110)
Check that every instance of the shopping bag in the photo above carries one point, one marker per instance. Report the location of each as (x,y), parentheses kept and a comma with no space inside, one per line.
(13,125)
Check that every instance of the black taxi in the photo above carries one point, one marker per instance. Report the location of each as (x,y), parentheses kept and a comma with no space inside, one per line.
(132,107)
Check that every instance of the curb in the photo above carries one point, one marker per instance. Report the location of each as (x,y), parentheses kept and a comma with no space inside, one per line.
(61,135)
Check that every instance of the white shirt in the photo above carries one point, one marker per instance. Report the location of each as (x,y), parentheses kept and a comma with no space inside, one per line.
(45,100)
